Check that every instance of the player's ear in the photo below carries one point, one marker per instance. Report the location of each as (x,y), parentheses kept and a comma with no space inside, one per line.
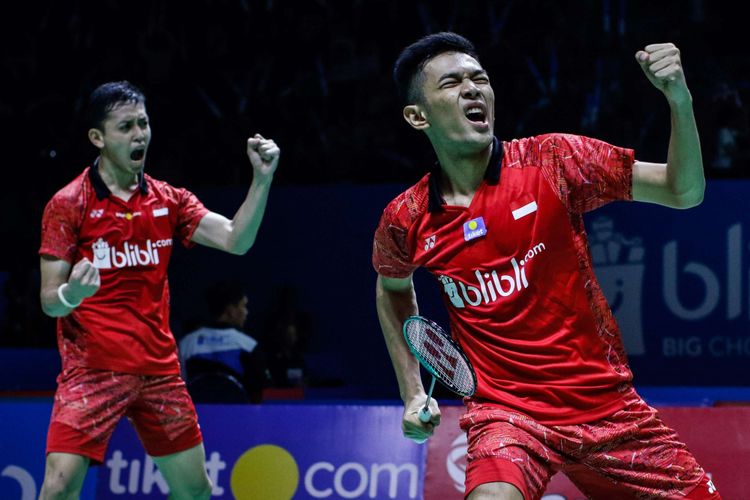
(96,137)
(415,116)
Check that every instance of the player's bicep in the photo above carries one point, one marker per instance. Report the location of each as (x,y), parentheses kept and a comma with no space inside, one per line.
(396,284)
(395,300)
(651,184)
(213,231)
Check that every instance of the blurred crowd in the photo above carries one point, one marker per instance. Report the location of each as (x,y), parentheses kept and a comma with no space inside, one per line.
(315,76)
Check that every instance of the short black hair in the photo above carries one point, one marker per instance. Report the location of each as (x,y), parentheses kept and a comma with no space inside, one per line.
(411,61)
(108,96)
(221,294)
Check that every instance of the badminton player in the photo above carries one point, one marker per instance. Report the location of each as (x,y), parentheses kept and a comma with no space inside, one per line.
(106,241)
(500,225)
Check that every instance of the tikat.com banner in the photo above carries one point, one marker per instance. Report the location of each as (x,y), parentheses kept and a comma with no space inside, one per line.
(718,437)
(283,452)
(273,452)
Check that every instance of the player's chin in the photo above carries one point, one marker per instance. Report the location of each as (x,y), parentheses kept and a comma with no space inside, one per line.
(478,140)
(481,131)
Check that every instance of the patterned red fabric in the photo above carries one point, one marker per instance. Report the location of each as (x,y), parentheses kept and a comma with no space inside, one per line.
(89,404)
(125,325)
(391,256)
(522,299)
(631,454)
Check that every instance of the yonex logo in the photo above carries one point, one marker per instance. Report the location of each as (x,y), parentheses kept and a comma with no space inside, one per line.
(429,243)
(433,345)
(96,213)
(710,485)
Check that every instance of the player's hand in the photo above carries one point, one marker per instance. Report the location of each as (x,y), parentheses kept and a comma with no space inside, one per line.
(264,156)
(83,282)
(412,427)
(663,67)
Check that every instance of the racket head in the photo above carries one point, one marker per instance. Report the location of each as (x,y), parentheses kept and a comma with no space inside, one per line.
(440,355)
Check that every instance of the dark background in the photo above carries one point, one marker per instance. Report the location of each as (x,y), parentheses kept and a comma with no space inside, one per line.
(315,76)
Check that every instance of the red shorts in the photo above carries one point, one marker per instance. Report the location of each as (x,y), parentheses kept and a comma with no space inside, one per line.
(630,454)
(89,404)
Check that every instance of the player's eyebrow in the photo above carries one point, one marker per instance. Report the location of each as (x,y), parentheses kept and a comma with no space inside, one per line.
(132,118)
(457,74)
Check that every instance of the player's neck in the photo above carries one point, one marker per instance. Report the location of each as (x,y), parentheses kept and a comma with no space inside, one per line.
(462,174)
(120,182)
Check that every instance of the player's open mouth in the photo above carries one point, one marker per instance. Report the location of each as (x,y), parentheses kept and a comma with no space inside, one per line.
(138,154)
(476,113)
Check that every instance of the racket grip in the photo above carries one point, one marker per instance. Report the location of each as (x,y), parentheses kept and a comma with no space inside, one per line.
(425,414)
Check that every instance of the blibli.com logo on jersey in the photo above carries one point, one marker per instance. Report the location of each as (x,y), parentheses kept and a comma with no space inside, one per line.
(130,255)
(490,285)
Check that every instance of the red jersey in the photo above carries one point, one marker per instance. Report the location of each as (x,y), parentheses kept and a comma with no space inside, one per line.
(516,274)
(124,326)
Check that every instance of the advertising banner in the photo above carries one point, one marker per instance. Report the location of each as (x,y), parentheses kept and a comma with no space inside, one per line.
(330,451)
(282,452)
(23,438)
(718,437)
(22,441)
(679,284)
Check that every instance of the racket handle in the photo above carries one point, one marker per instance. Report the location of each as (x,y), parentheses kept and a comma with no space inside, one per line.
(425,414)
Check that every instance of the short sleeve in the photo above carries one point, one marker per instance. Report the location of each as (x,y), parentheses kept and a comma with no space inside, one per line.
(60,228)
(190,211)
(587,173)
(390,252)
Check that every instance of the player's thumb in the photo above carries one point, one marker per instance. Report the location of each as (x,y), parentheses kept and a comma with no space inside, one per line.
(642,57)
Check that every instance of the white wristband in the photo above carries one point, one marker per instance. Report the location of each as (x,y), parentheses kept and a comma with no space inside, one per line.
(64,300)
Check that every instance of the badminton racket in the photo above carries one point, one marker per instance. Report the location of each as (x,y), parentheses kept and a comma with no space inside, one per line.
(440,355)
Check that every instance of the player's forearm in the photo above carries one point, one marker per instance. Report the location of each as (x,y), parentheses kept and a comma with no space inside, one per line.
(52,305)
(393,309)
(685,176)
(246,221)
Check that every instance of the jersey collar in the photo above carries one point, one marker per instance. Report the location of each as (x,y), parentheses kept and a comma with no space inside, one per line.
(101,189)
(491,176)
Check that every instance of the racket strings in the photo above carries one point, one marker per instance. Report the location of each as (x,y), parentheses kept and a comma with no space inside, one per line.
(442,356)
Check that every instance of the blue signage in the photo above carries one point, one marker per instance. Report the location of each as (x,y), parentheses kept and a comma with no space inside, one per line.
(252,451)
(282,452)
(23,439)
(678,282)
